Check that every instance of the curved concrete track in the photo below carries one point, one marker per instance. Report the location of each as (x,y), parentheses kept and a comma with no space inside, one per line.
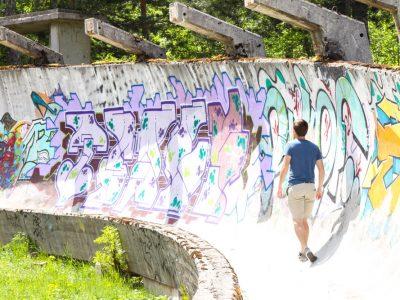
(200,144)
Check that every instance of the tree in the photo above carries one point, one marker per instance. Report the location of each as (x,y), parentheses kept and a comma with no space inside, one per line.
(143,16)
(150,19)
(12,57)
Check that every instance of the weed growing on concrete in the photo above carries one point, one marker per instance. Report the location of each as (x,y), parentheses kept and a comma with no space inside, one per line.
(111,257)
(183,293)
(20,246)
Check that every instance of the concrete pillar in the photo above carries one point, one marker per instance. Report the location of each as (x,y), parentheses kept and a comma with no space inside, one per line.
(70,39)
(335,36)
(237,41)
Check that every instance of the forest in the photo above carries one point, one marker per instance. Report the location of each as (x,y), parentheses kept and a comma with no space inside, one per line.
(149,19)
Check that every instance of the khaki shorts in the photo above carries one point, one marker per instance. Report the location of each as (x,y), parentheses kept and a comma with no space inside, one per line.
(301,199)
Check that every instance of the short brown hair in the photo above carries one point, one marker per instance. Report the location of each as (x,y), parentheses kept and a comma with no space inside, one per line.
(300,127)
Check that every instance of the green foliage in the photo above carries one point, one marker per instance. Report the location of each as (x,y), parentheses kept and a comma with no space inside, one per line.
(28,276)
(281,40)
(20,246)
(111,257)
(183,293)
(289,42)
(384,40)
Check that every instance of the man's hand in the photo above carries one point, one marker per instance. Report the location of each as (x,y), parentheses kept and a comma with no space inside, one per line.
(319,193)
(280,192)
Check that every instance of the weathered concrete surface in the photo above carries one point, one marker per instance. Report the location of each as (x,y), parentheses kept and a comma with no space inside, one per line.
(157,288)
(335,36)
(40,53)
(40,20)
(201,144)
(238,42)
(122,39)
(67,32)
(162,254)
(69,38)
(392,6)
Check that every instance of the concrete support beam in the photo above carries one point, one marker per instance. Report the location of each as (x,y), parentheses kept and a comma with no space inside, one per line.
(238,42)
(392,6)
(121,39)
(20,43)
(67,31)
(335,36)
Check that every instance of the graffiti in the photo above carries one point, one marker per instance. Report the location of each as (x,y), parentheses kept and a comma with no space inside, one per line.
(11,149)
(210,153)
(383,180)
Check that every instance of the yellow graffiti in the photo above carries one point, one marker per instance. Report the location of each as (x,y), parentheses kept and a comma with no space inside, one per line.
(388,138)
(390,108)
(377,189)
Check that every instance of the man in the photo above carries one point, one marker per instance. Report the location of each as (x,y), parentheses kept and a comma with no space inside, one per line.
(301,156)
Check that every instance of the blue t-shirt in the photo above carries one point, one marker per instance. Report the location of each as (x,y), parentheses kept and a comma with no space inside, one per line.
(304,154)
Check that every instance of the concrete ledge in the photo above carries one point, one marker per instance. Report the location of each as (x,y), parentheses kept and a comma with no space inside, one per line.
(22,44)
(167,257)
(335,36)
(238,41)
(121,39)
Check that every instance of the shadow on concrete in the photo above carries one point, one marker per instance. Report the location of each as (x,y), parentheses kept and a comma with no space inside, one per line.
(349,212)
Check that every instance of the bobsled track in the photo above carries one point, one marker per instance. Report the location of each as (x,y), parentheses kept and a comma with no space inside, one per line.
(183,158)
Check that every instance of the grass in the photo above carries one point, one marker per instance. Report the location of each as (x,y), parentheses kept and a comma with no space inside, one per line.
(26,274)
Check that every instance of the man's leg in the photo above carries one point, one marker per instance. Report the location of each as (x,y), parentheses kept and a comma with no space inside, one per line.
(309,203)
(301,232)
(306,230)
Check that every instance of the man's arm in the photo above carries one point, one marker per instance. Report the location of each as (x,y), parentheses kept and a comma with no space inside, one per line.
(321,177)
(282,175)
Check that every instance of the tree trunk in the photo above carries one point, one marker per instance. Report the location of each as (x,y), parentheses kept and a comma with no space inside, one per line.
(348,7)
(36,5)
(360,12)
(13,57)
(72,4)
(53,3)
(339,6)
(10,7)
(143,17)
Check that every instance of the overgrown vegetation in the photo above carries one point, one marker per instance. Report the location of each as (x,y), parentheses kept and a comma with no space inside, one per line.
(111,257)
(150,20)
(29,274)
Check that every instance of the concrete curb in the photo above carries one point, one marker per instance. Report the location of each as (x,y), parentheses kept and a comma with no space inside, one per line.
(166,256)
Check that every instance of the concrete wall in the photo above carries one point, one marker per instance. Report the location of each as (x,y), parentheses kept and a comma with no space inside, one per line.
(167,257)
(182,143)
